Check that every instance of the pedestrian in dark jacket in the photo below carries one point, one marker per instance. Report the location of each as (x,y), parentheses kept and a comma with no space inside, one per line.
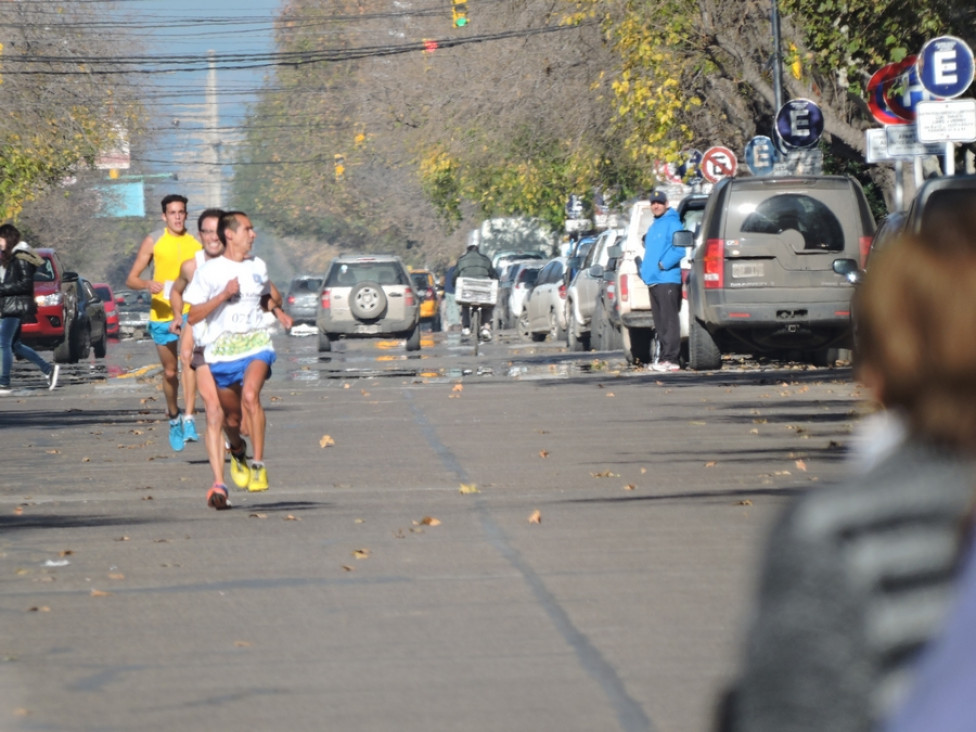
(17,266)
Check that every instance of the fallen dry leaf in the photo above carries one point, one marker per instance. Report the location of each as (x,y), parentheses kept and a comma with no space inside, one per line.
(711,464)
(610,394)
(348,568)
(745,502)
(469,488)
(19,511)
(257,515)
(543,453)
(630,487)
(801,465)
(535,517)
(326,441)
(100,593)
(643,470)
(605,474)
(289,517)
(457,387)
(361,553)
(39,609)
(53,452)
(116,576)
(242,644)
(364,392)
(430,521)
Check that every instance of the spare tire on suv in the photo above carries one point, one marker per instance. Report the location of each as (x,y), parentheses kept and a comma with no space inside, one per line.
(768,275)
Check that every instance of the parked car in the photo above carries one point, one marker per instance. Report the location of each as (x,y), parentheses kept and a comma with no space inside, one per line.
(584,288)
(56,293)
(425,285)
(500,259)
(368,296)
(544,313)
(104,291)
(301,300)
(133,313)
(577,253)
(506,281)
(92,323)
(522,283)
(769,273)
(947,192)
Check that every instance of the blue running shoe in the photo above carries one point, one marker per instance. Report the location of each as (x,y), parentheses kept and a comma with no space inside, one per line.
(190,429)
(176,433)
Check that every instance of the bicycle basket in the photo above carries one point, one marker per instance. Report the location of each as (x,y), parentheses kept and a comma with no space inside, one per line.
(476,291)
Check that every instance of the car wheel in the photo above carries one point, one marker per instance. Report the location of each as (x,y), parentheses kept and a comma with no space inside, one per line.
(523,324)
(598,326)
(413,338)
(556,331)
(79,343)
(639,350)
(703,353)
(367,301)
(62,352)
(325,343)
(573,341)
(101,346)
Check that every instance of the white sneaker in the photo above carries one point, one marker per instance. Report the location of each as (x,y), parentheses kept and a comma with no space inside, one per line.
(665,367)
(465,331)
(486,334)
(52,378)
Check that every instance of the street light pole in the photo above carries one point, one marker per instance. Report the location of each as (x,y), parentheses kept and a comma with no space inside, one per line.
(777,73)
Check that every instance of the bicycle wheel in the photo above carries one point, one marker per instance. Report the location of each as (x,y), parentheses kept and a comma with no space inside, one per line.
(476,327)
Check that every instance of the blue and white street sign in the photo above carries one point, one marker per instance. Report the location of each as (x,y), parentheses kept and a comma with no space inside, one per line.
(760,156)
(945,67)
(800,123)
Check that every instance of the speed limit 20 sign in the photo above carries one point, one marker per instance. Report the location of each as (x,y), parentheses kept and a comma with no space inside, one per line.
(718,162)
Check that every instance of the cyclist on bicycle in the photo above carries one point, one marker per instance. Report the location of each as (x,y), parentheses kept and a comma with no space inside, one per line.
(475,264)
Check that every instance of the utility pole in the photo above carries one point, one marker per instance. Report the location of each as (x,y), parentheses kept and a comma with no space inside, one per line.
(777,74)
(213,174)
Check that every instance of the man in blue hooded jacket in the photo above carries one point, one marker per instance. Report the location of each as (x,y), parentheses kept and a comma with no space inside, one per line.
(661,271)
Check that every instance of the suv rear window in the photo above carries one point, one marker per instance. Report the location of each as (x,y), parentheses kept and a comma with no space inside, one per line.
(306,284)
(819,226)
(348,274)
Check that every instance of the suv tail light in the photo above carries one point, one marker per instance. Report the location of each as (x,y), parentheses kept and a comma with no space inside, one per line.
(291,299)
(865,244)
(326,299)
(409,298)
(562,291)
(624,291)
(714,264)
(611,292)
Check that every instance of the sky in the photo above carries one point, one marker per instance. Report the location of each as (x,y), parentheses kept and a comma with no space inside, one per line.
(176,98)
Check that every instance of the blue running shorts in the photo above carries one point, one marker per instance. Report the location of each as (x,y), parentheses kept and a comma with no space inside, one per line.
(159,330)
(229,373)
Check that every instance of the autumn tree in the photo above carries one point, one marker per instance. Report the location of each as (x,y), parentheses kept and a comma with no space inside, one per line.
(58,114)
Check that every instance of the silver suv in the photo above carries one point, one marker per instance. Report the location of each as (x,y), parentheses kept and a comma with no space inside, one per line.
(368,296)
(769,271)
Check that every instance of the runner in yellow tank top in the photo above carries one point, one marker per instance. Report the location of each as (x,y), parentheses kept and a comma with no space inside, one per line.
(166,251)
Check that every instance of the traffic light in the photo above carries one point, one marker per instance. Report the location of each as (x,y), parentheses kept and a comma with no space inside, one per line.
(459,12)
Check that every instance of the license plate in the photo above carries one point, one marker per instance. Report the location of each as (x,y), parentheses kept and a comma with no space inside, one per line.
(747,269)
(367,328)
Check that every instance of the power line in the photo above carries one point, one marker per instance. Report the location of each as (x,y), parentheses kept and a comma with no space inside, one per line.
(110,65)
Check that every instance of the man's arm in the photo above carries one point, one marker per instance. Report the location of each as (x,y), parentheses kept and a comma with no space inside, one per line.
(199,311)
(273,304)
(176,293)
(143,259)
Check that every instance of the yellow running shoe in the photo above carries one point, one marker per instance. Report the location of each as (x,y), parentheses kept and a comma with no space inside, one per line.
(259,478)
(239,472)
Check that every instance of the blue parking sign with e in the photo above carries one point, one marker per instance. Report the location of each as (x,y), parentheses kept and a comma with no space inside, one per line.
(760,155)
(945,66)
(800,123)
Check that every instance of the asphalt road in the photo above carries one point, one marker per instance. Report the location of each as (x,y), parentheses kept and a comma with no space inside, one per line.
(394,579)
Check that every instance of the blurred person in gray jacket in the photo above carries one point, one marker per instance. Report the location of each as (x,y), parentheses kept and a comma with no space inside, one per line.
(857,577)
